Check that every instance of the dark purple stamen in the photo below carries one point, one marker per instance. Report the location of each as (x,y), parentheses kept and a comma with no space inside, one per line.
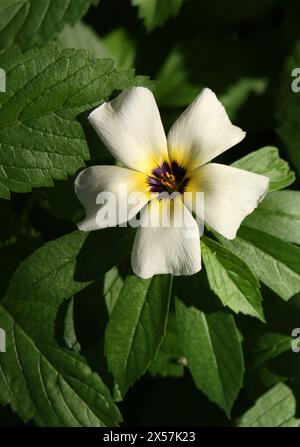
(168,177)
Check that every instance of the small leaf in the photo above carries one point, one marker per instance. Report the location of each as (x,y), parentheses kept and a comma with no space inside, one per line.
(266,161)
(231,279)
(121,47)
(136,328)
(155,12)
(212,347)
(174,88)
(237,94)
(276,408)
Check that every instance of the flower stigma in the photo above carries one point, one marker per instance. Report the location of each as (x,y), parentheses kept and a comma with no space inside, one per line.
(168,177)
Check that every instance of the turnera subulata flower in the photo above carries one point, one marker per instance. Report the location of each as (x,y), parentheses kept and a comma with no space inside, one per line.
(158,166)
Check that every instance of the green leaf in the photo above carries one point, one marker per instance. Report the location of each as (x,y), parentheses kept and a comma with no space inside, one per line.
(40,137)
(262,368)
(275,262)
(63,267)
(279,215)
(33,22)
(266,161)
(237,94)
(261,240)
(212,347)
(136,328)
(267,347)
(69,336)
(155,12)
(116,45)
(231,279)
(121,47)
(66,391)
(289,108)
(276,408)
(113,283)
(174,88)
(169,361)
(81,36)
(39,379)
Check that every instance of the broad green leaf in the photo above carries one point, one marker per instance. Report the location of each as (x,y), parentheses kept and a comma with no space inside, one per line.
(231,279)
(155,12)
(116,45)
(66,391)
(275,262)
(279,215)
(33,22)
(40,380)
(276,408)
(266,161)
(40,136)
(63,267)
(289,108)
(169,361)
(136,328)
(265,250)
(212,347)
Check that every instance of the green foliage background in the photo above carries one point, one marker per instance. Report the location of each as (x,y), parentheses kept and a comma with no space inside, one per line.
(89,343)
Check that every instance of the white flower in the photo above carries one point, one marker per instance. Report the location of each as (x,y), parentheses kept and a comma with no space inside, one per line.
(132,130)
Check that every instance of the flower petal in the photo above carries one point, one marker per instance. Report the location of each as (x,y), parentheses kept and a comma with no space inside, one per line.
(117,184)
(173,249)
(230,194)
(131,128)
(202,132)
